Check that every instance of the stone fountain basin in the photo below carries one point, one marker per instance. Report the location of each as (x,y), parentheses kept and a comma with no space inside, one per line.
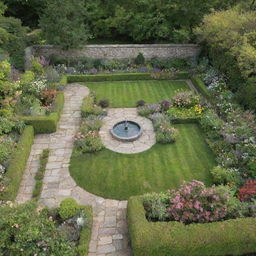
(126,131)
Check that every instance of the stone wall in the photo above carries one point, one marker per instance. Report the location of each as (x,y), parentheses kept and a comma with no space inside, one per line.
(126,51)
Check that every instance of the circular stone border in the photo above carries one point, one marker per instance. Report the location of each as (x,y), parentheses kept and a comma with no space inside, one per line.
(143,143)
(125,139)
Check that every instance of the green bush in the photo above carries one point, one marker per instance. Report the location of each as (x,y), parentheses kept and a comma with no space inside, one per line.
(90,108)
(68,208)
(174,238)
(46,124)
(139,60)
(18,164)
(118,77)
(201,87)
(224,176)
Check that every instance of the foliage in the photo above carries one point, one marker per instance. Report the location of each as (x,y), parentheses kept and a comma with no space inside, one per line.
(89,142)
(63,23)
(139,60)
(32,231)
(149,109)
(68,208)
(104,103)
(191,203)
(126,77)
(40,174)
(166,134)
(178,239)
(230,38)
(156,205)
(185,99)
(17,164)
(48,97)
(140,103)
(47,124)
(195,112)
(165,105)
(225,176)
(91,123)
(13,39)
(90,108)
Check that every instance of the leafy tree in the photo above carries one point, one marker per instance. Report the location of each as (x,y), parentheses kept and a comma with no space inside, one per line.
(230,38)
(26,10)
(64,23)
(12,38)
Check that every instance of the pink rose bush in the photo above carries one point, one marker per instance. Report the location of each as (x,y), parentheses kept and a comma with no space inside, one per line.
(193,202)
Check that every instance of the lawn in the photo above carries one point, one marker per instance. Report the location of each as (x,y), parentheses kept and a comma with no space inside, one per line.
(127,93)
(119,176)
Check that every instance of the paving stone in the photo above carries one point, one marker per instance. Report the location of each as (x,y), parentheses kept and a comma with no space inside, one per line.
(110,222)
(103,240)
(106,248)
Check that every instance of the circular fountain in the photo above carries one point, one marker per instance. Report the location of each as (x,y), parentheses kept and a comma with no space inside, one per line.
(126,131)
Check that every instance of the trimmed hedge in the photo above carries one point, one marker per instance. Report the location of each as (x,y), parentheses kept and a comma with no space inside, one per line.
(200,86)
(46,124)
(185,120)
(85,235)
(118,77)
(231,237)
(18,164)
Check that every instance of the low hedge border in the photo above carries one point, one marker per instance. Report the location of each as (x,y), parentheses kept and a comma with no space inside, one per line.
(185,120)
(18,164)
(200,86)
(119,77)
(231,237)
(46,124)
(85,235)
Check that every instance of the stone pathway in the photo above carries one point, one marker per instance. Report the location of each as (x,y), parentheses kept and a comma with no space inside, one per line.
(144,142)
(109,232)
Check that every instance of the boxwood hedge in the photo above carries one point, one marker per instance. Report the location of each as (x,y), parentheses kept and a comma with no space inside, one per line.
(200,86)
(18,164)
(118,77)
(46,124)
(231,237)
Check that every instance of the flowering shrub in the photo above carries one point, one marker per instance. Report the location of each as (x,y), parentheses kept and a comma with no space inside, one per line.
(89,107)
(149,109)
(225,176)
(88,143)
(193,202)
(185,99)
(183,113)
(48,97)
(166,134)
(91,123)
(165,105)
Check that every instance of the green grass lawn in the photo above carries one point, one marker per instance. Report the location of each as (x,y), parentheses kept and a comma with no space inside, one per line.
(127,93)
(119,176)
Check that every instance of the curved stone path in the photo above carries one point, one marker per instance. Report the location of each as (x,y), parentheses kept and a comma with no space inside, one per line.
(115,115)
(109,232)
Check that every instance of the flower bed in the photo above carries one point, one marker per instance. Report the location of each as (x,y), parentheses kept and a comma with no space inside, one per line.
(46,123)
(174,238)
(229,130)
(87,140)
(63,231)
(17,164)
